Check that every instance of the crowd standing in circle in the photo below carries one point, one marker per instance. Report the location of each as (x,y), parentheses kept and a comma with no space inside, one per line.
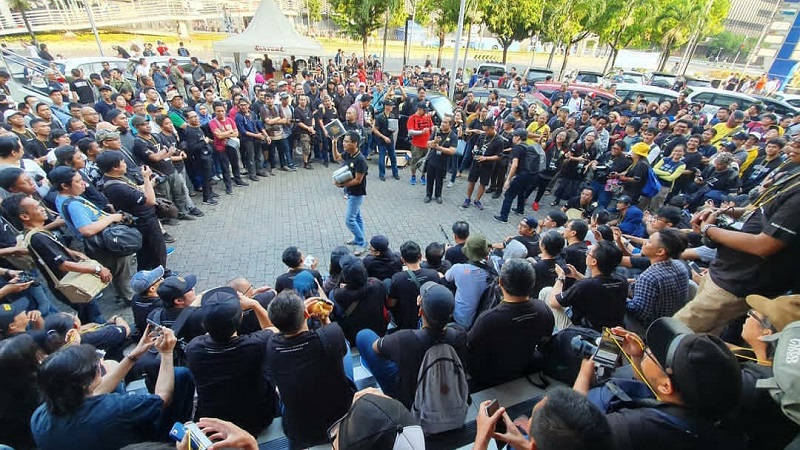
(670,234)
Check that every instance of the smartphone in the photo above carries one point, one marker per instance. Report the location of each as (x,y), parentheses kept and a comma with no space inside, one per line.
(158,329)
(197,439)
(608,349)
(693,265)
(490,410)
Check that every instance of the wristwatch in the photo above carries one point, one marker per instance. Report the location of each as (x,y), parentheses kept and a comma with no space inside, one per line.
(98,269)
(562,279)
(704,230)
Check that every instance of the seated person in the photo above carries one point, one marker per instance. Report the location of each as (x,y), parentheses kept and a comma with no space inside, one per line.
(434,258)
(294,260)
(551,244)
(470,280)
(454,253)
(299,360)
(501,343)
(404,287)
(227,367)
(562,420)
(526,235)
(66,329)
(334,269)
(381,262)
(592,302)
(629,218)
(360,303)
(15,320)
(554,220)
(377,422)
(19,359)
(663,288)
(81,409)
(144,285)
(694,378)
(177,294)
(575,251)
(263,295)
(581,203)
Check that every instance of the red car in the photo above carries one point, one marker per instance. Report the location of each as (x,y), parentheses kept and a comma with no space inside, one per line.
(547,90)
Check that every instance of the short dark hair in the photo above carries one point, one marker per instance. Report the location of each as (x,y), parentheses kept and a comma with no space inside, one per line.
(605,232)
(410,252)
(552,242)
(85,144)
(11,209)
(569,421)
(670,214)
(579,227)
(434,253)
(8,145)
(60,176)
(9,177)
(673,241)
(106,161)
(161,118)
(461,229)
(558,216)
(517,276)
(608,256)
(601,216)
(65,376)
(287,311)
(353,136)
(64,155)
(292,256)
(777,141)
(651,130)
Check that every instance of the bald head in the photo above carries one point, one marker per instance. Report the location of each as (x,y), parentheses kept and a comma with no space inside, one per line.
(90,115)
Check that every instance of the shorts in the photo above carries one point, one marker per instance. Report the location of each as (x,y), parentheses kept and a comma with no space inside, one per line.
(479,171)
(304,142)
(417,153)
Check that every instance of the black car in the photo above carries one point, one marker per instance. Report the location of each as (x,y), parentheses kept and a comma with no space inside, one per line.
(442,106)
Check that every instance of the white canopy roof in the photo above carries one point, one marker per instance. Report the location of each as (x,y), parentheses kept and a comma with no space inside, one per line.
(270,32)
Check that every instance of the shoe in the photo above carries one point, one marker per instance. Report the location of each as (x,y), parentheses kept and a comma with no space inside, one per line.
(423,181)
(253,178)
(497,194)
(214,182)
(478,205)
(308,167)
(214,195)
(350,242)
(185,216)
(168,238)
(170,222)
(518,213)
(272,172)
(554,203)
(450,184)
(196,212)
(211,201)
(439,200)
(193,194)
(284,168)
(535,206)
(427,200)
(499,219)
(262,173)
(490,190)
(229,191)
(170,250)
(382,178)
(292,168)
(325,163)
(466,204)
(241,183)
(358,251)
(396,177)
(413,180)
(215,178)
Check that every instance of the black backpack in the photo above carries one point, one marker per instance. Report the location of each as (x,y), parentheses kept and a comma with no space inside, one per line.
(559,360)
(535,159)
(491,295)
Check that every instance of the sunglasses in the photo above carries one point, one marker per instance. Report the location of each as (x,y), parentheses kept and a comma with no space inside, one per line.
(761,320)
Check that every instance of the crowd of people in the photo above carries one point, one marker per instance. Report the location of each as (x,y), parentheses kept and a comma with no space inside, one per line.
(674,241)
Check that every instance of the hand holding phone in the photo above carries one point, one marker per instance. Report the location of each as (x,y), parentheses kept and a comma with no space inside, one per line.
(500,426)
(157,329)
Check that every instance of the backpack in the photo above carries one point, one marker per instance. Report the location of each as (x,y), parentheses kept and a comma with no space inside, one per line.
(535,159)
(559,359)
(652,186)
(784,386)
(491,295)
(442,397)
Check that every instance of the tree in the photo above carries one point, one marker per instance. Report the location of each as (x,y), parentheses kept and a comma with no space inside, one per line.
(444,14)
(572,21)
(679,20)
(511,20)
(359,18)
(314,10)
(730,43)
(22,6)
(619,31)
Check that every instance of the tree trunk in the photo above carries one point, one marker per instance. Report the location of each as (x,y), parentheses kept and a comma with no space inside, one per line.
(614,53)
(364,45)
(30,30)
(441,49)
(564,63)
(552,53)
(505,51)
(608,61)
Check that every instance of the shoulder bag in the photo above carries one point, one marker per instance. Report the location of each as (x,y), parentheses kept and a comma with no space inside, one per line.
(116,239)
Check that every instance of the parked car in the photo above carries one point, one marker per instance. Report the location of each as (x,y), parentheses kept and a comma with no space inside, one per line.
(481,94)
(650,93)
(663,80)
(696,82)
(547,90)
(717,97)
(496,71)
(90,64)
(534,74)
(792,99)
(779,107)
(587,77)
(627,76)
(442,106)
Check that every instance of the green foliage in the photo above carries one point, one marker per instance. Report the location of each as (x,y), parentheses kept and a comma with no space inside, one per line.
(511,20)
(315,10)
(730,43)
(358,19)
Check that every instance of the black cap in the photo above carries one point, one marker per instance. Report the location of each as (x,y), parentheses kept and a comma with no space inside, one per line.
(105,87)
(741,135)
(380,243)
(365,98)
(220,307)
(388,102)
(624,199)
(175,286)
(376,422)
(489,122)
(521,133)
(10,311)
(437,302)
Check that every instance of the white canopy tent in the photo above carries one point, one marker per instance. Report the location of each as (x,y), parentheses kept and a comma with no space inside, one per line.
(269,32)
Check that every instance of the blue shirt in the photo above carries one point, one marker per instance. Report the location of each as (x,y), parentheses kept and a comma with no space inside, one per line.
(632,222)
(470,283)
(81,211)
(246,123)
(660,291)
(103,422)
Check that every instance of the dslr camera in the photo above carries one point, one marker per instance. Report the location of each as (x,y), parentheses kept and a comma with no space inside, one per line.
(25,277)
(604,351)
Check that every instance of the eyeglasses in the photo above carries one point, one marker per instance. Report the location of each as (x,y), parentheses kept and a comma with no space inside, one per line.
(761,321)
(649,353)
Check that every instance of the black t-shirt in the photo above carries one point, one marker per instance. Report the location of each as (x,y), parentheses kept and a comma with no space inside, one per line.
(309,373)
(569,169)
(545,275)
(302,115)
(437,158)
(367,314)
(531,244)
(357,164)
(619,164)
(575,254)
(51,252)
(640,172)
(501,343)
(382,125)
(407,349)
(519,152)
(575,203)
(443,267)
(106,337)
(455,254)
(488,146)
(34,148)
(596,302)
(192,328)
(286,280)
(231,382)
(125,197)
(142,149)
(403,288)
(249,319)
(84,90)
(743,274)
(383,266)
(141,307)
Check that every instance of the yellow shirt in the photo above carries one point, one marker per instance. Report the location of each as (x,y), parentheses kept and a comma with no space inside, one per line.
(723,131)
(534,127)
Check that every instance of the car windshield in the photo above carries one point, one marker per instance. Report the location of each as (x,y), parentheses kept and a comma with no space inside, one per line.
(442,105)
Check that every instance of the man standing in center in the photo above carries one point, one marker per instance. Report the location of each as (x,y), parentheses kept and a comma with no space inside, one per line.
(356,188)
(419,128)
(441,148)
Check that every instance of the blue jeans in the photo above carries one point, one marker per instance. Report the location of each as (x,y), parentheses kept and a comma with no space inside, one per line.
(603,197)
(466,161)
(284,151)
(517,189)
(386,372)
(180,409)
(347,361)
(383,149)
(353,219)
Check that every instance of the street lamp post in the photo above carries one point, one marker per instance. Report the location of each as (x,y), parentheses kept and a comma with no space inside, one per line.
(459,30)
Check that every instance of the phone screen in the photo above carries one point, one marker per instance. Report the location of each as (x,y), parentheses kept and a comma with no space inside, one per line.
(500,427)
(693,265)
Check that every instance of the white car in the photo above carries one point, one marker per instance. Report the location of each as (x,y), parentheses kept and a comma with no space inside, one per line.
(650,93)
(717,97)
(792,99)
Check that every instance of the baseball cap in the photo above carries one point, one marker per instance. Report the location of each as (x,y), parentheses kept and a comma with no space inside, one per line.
(172,95)
(388,102)
(175,286)
(780,311)
(379,242)
(741,135)
(10,311)
(10,112)
(738,115)
(476,248)
(422,105)
(437,302)
(730,146)
(755,134)
(530,221)
(521,133)
(375,422)
(489,122)
(105,87)
(77,136)
(624,199)
(282,83)
(151,108)
(139,120)
(701,367)
(284,95)
(220,307)
(143,279)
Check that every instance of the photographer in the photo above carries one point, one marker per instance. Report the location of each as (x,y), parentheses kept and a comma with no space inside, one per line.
(758,258)
(687,382)
(140,201)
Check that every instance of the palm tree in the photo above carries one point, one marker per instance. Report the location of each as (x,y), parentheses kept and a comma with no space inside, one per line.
(675,24)
(22,6)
